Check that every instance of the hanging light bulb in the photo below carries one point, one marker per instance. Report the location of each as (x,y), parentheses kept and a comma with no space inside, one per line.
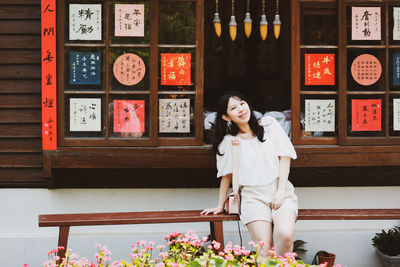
(233,24)
(247,22)
(277,21)
(217,21)
(263,23)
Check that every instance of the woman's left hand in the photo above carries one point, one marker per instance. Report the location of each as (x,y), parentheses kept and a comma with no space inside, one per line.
(277,199)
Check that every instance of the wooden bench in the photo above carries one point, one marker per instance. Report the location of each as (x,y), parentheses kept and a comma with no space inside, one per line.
(65,221)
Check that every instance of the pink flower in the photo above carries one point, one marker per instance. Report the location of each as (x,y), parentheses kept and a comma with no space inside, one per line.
(261,242)
(252,243)
(204,238)
(217,245)
(26,265)
(160,247)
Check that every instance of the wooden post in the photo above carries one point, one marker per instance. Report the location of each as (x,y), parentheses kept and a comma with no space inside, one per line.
(63,241)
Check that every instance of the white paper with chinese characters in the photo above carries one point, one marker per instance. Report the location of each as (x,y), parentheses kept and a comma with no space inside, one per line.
(320,115)
(85,115)
(365,23)
(129,20)
(85,22)
(396,23)
(396,114)
(174,115)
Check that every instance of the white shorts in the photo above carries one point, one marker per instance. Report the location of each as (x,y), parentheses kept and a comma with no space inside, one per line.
(256,201)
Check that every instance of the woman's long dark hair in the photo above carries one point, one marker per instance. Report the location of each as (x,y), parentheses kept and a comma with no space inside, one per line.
(221,125)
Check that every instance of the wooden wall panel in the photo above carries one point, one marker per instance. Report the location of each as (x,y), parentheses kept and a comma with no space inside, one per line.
(21,160)
(21,130)
(20,71)
(21,157)
(20,57)
(19,12)
(21,86)
(20,41)
(20,115)
(20,145)
(19,26)
(20,2)
(20,101)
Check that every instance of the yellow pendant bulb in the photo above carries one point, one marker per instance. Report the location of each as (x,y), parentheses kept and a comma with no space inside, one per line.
(233,28)
(217,24)
(263,27)
(247,25)
(277,26)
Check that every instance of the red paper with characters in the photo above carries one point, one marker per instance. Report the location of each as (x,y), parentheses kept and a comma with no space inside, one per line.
(319,69)
(175,69)
(49,75)
(366,115)
(129,116)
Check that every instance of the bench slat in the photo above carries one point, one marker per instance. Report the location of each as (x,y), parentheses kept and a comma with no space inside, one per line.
(81,219)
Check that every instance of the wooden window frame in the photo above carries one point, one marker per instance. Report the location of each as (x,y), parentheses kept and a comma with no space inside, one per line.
(342,93)
(153,93)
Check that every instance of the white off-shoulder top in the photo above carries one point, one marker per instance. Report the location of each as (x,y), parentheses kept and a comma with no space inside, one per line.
(258,161)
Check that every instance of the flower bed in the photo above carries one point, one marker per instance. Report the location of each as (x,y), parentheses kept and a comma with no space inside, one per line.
(184,249)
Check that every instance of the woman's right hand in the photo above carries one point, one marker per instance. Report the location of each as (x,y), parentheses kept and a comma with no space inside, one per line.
(215,210)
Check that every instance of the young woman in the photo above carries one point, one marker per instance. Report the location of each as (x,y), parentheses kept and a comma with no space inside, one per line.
(268,202)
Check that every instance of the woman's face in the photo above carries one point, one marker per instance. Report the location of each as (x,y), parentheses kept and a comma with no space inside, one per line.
(238,111)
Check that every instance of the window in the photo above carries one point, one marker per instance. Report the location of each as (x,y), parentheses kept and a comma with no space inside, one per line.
(346,69)
(130,73)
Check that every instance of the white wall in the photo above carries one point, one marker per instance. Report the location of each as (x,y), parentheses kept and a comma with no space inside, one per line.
(21,240)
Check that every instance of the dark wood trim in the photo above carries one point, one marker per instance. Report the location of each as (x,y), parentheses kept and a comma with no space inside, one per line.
(295,30)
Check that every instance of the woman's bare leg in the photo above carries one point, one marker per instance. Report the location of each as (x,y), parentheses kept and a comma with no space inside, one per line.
(261,231)
(284,224)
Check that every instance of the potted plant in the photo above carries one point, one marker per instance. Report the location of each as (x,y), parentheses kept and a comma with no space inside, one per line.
(323,256)
(387,246)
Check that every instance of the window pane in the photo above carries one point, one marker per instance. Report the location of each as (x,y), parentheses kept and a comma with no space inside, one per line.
(84,22)
(319,69)
(318,117)
(365,115)
(84,116)
(130,22)
(365,69)
(177,22)
(365,25)
(319,24)
(394,115)
(176,115)
(129,116)
(84,69)
(177,69)
(130,69)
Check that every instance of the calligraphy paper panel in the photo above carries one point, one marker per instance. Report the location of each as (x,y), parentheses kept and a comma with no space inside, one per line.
(366,69)
(396,114)
(319,69)
(366,23)
(320,115)
(396,23)
(129,20)
(175,69)
(396,69)
(129,116)
(174,115)
(85,68)
(366,114)
(129,69)
(85,114)
(85,22)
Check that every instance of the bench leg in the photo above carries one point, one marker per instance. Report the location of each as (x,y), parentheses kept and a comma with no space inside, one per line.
(63,240)
(217,233)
